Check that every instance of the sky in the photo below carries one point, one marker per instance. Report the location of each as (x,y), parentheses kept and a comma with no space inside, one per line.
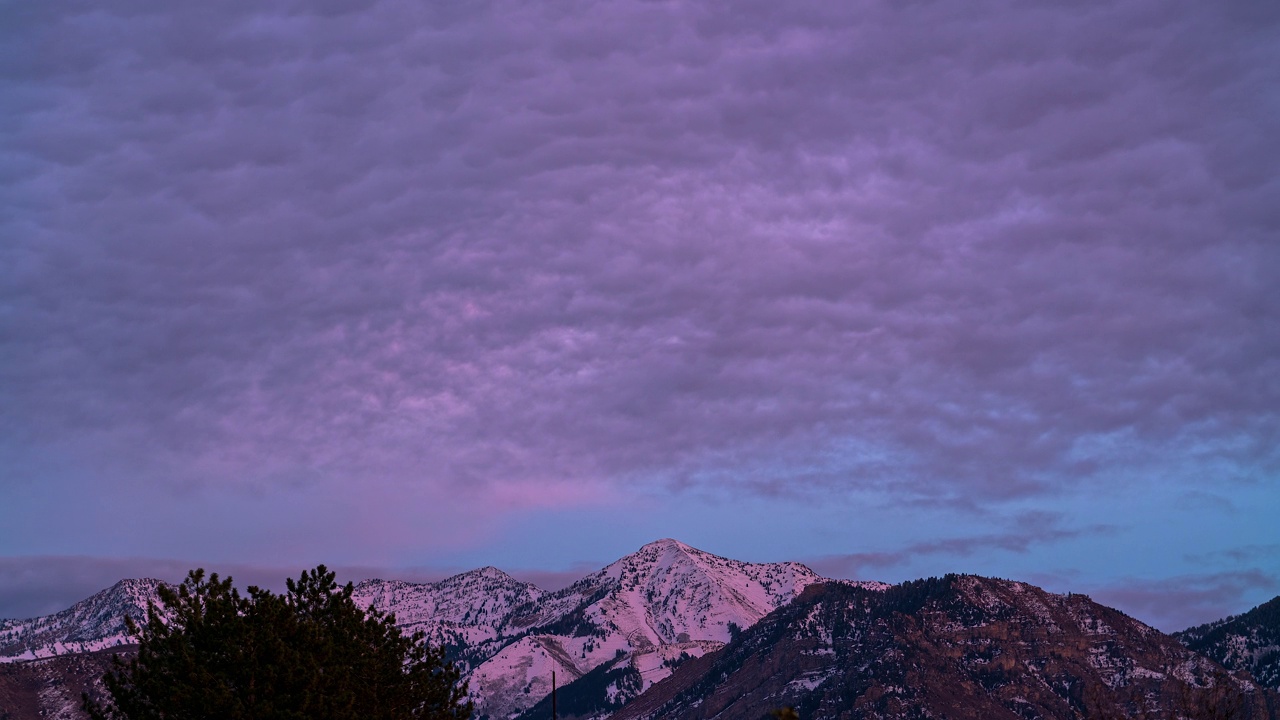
(894,289)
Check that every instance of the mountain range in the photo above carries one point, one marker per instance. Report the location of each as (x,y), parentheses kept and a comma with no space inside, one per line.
(672,631)
(666,601)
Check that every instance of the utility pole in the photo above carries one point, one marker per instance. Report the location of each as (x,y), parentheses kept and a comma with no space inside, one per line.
(554,716)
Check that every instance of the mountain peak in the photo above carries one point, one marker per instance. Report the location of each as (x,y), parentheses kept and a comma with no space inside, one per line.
(695,593)
(488,572)
(95,623)
(142,589)
(667,543)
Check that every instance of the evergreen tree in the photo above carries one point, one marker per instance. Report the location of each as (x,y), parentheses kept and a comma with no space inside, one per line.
(308,653)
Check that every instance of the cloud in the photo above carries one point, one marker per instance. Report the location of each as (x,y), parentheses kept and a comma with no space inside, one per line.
(1177,603)
(1025,532)
(1244,554)
(966,255)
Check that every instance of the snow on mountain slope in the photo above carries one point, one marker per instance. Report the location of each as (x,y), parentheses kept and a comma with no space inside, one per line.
(669,589)
(91,624)
(463,610)
(665,594)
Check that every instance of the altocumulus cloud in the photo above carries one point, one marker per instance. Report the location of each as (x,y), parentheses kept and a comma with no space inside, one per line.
(957,253)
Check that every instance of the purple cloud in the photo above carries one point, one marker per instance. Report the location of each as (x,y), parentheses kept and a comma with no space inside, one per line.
(1024,533)
(423,269)
(1178,603)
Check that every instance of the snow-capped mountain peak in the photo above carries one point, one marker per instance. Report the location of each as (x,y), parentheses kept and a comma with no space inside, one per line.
(665,601)
(463,610)
(94,623)
(682,591)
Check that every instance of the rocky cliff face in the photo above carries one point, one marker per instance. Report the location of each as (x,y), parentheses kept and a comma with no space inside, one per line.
(956,647)
(1249,642)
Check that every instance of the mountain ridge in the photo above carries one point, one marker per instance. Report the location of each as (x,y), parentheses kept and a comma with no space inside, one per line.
(95,623)
(962,647)
(1248,642)
(666,601)
(616,637)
